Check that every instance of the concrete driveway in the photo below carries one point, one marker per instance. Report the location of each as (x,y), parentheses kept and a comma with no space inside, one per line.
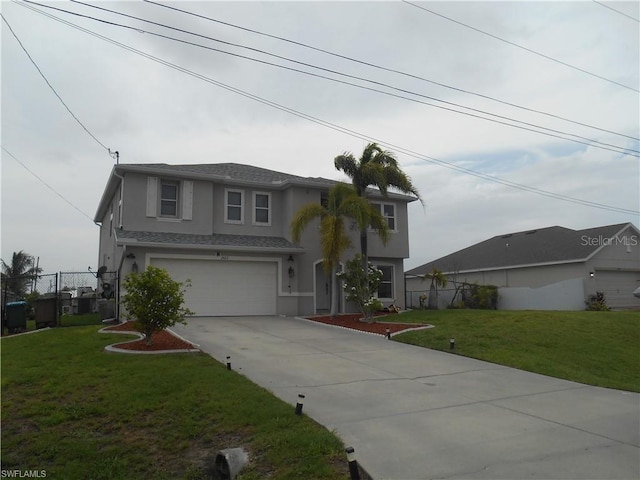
(413,413)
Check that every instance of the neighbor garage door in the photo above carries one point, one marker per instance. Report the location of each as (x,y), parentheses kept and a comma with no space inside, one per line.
(618,287)
(221,288)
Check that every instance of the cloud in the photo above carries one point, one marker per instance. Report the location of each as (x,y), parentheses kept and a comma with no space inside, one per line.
(151,113)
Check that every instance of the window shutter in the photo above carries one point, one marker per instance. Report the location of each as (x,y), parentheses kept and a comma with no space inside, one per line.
(187,200)
(152,196)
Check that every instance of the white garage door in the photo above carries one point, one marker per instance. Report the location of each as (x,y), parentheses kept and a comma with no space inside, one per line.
(618,287)
(225,288)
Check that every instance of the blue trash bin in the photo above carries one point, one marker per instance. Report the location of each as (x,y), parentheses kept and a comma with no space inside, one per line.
(16,316)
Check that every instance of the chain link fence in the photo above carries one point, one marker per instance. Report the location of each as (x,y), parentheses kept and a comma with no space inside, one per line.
(57,299)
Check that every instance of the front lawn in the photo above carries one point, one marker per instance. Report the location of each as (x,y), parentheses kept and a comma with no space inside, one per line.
(596,348)
(77,412)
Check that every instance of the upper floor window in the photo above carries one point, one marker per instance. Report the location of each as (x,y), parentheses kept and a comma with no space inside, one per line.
(385,289)
(168,199)
(262,208)
(234,200)
(388,211)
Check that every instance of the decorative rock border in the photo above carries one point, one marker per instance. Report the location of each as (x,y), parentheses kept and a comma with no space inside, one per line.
(113,348)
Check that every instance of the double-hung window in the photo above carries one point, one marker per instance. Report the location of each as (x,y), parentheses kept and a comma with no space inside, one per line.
(234,200)
(385,289)
(168,199)
(388,211)
(262,208)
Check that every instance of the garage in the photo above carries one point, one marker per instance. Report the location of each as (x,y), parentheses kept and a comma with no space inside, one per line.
(618,287)
(225,287)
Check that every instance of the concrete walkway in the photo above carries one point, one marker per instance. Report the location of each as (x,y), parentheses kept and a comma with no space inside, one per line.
(413,413)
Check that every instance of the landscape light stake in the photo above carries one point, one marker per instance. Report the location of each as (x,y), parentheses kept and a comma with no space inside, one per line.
(299,404)
(388,334)
(452,343)
(228,362)
(353,464)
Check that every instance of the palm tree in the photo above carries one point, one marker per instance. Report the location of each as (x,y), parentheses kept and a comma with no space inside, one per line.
(378,168)
(19,273)
(438,279)
(342,203)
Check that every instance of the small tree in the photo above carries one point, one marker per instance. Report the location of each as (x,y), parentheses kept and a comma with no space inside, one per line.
(19,273)
(360,287)
(154,300)
(438,279)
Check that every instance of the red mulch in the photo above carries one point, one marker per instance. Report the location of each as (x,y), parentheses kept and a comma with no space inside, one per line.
(161,340)
(353,321)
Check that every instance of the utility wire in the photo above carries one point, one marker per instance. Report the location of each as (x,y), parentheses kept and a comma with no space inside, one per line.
(586,141)
(45,183)
(51,86)
(617,11)
(521,47)
(352,133)
(379,67)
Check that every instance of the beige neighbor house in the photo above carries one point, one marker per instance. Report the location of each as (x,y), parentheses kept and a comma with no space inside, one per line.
(552,268)
(225,227)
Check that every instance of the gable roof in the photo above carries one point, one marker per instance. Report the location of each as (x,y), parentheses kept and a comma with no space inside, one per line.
(532,247)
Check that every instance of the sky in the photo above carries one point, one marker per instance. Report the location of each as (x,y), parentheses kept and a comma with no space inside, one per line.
(576,64)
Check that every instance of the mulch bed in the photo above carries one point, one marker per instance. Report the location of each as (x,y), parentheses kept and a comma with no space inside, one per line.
(353,322)
(161,340)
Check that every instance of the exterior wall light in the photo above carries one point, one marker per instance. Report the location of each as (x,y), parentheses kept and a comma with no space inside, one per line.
(291,270)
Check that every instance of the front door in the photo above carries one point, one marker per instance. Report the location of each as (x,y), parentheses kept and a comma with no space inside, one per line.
(323,291)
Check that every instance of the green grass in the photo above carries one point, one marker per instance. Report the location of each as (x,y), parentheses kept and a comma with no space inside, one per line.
(79,413)
(80,320)
(596,348)
(70,321)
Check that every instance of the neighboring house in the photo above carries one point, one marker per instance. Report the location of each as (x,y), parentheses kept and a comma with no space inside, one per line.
(552,268)
(225,227)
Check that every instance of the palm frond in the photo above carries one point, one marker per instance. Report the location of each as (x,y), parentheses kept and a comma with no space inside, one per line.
(302,218)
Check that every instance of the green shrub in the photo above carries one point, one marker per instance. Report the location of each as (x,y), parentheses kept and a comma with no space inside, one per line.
(154,300)
(597,303)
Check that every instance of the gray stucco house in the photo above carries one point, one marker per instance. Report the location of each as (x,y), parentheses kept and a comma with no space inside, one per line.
(553,268)
(225,227)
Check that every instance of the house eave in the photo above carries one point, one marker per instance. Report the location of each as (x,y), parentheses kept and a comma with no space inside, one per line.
(505,267)
(128,242)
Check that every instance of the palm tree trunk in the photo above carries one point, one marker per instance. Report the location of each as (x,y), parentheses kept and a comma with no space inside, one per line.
(432,303)
(364,249)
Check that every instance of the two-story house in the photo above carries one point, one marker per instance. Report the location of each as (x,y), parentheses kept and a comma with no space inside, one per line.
(226,228)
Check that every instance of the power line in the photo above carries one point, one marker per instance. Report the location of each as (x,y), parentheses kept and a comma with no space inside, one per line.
(617,11)
(522,48)
(51,86)
(387,69)
(344,130)
(556,133)
(45,183)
